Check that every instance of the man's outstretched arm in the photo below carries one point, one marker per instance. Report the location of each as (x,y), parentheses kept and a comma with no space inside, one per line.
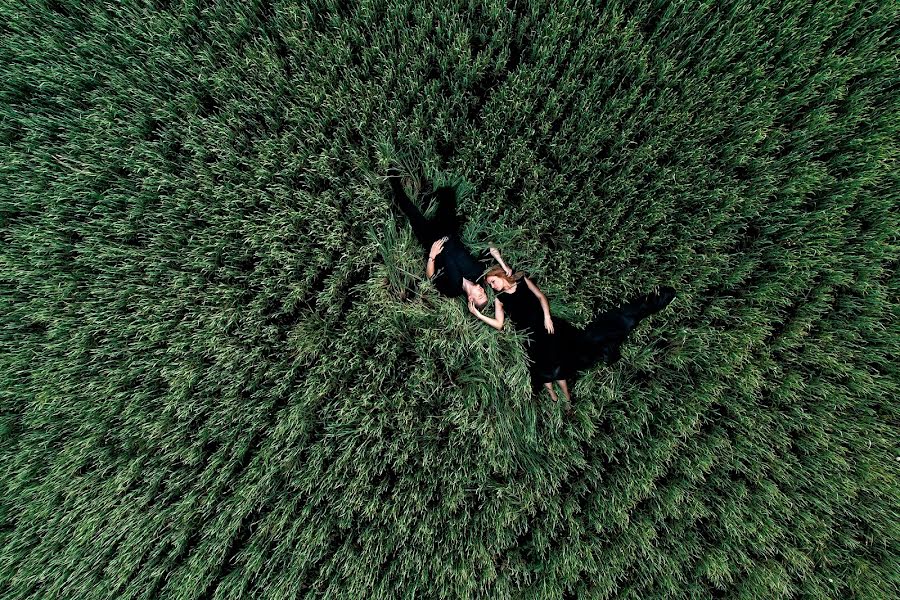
(436,249)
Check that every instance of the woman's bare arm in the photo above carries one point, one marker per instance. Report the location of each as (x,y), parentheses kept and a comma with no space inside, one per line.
(496,254)
(548,321)
(499,316)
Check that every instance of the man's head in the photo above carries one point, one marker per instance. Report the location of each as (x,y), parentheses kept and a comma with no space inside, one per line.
(475,293)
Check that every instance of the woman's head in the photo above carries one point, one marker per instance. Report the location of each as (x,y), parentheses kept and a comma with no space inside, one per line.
(499,280)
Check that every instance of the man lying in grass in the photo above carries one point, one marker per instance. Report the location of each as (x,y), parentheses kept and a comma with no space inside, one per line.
(450,265)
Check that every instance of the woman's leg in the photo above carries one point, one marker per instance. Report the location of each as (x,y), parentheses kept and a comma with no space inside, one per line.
(565,388)
(549,387)
(568,403)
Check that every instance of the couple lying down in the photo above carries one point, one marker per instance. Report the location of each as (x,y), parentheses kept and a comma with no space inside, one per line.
(556,349)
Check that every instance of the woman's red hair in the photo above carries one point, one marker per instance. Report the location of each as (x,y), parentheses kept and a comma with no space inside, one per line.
(499,272)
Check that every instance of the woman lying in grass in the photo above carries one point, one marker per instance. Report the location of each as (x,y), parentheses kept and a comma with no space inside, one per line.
(556,348)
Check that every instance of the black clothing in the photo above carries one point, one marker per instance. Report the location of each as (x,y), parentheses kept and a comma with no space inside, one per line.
(455,262)
(568,349)
(543,348)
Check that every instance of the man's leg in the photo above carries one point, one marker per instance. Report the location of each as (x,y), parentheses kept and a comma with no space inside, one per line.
(422,228)
(446,221)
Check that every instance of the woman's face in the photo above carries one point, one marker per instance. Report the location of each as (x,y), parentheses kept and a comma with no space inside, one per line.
(495,282)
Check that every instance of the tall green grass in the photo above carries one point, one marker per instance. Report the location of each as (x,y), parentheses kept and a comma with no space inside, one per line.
(224,375)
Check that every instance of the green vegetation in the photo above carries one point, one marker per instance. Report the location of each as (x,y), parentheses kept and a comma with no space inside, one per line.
(223,374)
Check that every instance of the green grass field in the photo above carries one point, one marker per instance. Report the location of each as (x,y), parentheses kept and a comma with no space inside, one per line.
(223,373)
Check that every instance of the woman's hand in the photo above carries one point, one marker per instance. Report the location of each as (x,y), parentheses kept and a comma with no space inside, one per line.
(548,324)
(496,254)
(497,321)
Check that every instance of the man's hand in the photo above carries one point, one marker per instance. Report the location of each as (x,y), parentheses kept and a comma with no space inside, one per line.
(438,246)
(548,324)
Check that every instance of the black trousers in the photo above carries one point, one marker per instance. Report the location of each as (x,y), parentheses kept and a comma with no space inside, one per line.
(427,231)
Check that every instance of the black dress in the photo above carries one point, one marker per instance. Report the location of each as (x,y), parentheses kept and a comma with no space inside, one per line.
(570,349)
(524,310)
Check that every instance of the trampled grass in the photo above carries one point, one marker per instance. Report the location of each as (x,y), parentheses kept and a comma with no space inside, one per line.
(224,375)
